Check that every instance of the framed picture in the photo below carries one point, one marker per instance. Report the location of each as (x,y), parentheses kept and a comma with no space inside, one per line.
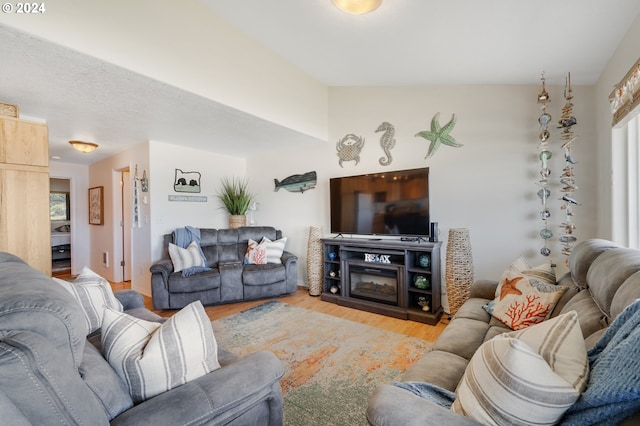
(96,205)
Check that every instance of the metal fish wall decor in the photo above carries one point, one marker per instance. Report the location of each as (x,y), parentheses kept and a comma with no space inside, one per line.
(297,183)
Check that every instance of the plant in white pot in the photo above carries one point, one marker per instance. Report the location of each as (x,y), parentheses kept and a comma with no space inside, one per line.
(235,198)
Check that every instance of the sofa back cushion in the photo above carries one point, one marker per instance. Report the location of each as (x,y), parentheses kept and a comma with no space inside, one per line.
(31,301)
(38,378)
(226,245)
(583,255)
(608,272)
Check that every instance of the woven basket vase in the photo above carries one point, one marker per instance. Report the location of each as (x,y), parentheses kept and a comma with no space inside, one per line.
(459,268)
(236,221)
(314,261)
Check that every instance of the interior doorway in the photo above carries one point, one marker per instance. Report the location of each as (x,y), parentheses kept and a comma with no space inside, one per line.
(60,218)
(125,223)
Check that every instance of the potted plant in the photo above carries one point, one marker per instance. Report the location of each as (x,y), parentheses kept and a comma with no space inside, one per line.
(235,198)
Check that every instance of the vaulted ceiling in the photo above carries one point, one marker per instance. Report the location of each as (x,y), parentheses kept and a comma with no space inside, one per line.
(404,42)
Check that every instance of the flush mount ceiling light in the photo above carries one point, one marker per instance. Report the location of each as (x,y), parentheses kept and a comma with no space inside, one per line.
(357,7)
(84,146)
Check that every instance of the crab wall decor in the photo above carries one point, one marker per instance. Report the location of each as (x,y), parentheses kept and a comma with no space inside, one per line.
(349,148)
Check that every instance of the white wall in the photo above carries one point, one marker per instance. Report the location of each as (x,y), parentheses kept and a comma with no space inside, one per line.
(106,238)
(79,182)
(169,215)
(621,61)
(487,186)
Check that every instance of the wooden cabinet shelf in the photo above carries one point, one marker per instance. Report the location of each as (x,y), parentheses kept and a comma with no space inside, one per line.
(378,275)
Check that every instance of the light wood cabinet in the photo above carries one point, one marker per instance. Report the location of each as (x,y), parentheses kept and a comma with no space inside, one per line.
(24,192)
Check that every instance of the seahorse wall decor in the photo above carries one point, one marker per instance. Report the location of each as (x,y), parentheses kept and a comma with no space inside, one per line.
(387,141)
(439,135)
(349,148)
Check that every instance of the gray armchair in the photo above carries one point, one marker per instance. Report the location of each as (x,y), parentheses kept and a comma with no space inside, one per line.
(51,373)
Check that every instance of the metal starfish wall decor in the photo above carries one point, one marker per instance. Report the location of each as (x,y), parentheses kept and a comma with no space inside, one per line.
(439,135)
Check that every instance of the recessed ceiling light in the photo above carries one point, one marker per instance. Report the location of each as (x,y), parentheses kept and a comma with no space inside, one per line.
(56,157)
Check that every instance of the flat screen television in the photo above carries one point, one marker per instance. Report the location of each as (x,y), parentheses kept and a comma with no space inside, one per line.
(384,203)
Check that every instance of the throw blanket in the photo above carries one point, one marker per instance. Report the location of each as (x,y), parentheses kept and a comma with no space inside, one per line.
(182,237)
(613,390)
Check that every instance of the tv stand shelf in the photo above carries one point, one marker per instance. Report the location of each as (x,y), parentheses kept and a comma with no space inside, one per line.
(383,265)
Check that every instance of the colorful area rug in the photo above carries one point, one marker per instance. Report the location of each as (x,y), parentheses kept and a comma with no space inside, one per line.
(332,365)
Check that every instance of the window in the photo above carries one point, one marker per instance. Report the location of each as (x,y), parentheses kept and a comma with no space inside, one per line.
(626,182)
(59,206)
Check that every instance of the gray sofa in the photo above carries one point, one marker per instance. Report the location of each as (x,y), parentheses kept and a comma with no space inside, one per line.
(50,373)
(603,277)
(229,280)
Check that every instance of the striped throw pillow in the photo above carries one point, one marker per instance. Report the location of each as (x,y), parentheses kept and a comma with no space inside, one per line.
(274,249)
(185,258)
(93,293)
(152,358)
(520,377)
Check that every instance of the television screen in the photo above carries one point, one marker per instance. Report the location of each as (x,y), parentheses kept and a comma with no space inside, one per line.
(385,203)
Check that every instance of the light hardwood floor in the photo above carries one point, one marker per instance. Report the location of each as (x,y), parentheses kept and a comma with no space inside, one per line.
(302,299)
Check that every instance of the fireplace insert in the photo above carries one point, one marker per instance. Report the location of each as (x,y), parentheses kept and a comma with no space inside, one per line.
(376,284)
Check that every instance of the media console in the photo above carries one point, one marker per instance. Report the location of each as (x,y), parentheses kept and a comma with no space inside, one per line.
(389,277)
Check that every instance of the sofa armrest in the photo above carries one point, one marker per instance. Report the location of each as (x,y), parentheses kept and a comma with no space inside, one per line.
(288,257)
(392,406)
(218,397)
(163,267)
(484,289)
(130,299)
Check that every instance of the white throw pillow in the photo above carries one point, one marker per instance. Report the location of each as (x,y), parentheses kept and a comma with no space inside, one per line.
(559,341)
(152,358)
(185,258)
(526,377)
(93,293)
(274,249)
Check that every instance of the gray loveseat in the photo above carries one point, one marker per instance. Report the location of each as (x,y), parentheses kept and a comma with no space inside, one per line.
(603,278)
(229,280)
(50,373)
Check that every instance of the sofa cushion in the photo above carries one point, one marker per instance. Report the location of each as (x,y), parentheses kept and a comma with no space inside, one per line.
(43,384)
(92,293)
(507,382)
(443,369)
(590,317)
(525,295)
(185,258)
(462,336)
(152,358)
(559,341)
(256,253)
(583,255)
(608,272)
(274,249)
(105,384)
(202,281)
(263,274)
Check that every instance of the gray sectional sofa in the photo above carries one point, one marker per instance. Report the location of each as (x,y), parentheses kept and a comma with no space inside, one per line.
(603,279)
(229,279)
(51,373)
